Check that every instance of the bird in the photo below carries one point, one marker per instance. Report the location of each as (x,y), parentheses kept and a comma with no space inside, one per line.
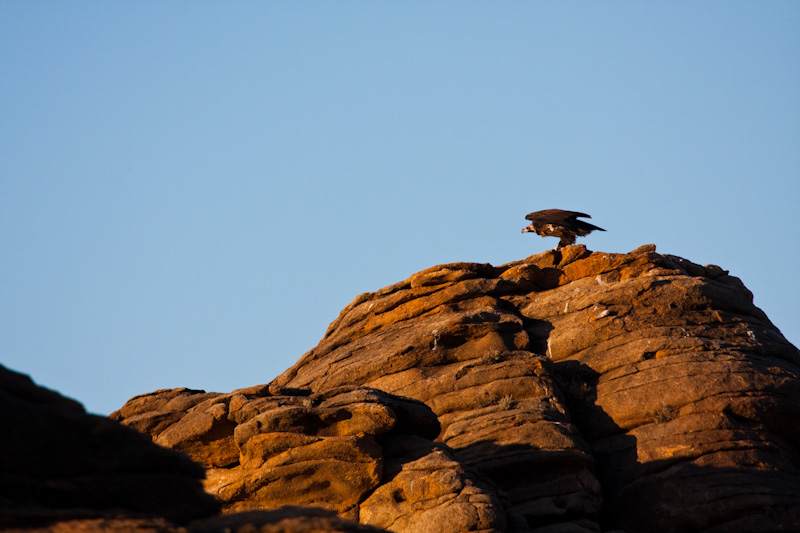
(559,223)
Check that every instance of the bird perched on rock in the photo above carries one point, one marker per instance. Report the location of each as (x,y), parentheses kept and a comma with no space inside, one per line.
(559,223)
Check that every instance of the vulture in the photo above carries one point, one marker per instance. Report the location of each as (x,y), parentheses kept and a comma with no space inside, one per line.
(559,223)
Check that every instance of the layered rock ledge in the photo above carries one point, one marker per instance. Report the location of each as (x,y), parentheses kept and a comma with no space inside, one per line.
(636,391)
(572,391)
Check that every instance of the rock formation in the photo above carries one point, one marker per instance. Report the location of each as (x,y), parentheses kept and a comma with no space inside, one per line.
(568,392)
(63,470)
(666,401)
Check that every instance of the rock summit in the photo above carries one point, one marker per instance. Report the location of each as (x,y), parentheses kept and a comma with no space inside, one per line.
(572,391)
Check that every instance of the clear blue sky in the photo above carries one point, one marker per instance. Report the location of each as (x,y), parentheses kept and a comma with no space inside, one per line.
(191,191)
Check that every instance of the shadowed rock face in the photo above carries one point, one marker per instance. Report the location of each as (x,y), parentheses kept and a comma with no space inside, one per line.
(57,462)
(570,391)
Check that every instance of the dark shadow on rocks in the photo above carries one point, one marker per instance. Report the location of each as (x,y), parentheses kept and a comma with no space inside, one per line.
(687,497)
(56,460)
(680,495)
(549,479)
(540,488)
(538,332)
(288,519)
(578,384)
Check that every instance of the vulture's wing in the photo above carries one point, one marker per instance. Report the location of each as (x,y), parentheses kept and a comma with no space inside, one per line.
(555,216)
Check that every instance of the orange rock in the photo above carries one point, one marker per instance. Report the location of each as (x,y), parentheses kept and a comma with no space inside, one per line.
(569,391)
(639,341)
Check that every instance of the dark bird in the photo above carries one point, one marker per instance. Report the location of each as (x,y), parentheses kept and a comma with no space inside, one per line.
(559,223)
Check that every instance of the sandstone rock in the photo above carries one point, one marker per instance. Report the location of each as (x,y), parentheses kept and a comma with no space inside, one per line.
(467,354)
(433,493)
(589,386)
(270,446)
(572,391)
(690,392)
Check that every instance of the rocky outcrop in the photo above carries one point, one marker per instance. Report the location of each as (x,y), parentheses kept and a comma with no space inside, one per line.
(666,401)
(63,470)
(568,392)
(360,452)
